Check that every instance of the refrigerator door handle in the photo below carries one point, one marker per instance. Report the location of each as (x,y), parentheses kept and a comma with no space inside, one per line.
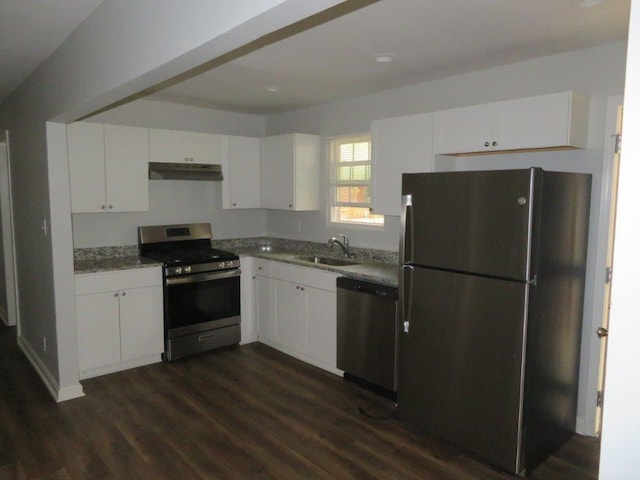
(406,230)
(405,293)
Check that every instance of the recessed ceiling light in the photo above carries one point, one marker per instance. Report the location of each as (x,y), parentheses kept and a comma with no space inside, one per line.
(272,89)
(384,57)
(589,3)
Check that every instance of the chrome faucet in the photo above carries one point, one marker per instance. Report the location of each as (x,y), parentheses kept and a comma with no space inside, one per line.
(344,244)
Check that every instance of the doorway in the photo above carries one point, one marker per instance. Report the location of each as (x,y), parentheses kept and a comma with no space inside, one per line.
(8,271)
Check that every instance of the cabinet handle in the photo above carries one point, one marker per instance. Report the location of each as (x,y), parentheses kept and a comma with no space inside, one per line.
(302,289)
(290,205)
(259,268)
(115,294)
(486,144)
(495,144)
(103,207)
(123,294)
(233,204)
(110,207)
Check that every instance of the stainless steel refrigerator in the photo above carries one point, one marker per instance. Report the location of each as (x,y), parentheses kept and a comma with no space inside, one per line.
(491,302)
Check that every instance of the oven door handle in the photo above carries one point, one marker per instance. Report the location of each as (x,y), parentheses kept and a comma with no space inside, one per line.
(203,277)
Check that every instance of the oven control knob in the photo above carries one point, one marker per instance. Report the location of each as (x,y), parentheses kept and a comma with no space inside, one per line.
(221,265)
(187,269)
(178,270)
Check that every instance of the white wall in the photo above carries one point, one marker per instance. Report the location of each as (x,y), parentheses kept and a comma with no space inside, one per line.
(620,448)
(174,201)
(596,72)
(119,50)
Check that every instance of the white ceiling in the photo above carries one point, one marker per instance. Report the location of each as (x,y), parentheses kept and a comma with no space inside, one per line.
(30,31)
(429,39)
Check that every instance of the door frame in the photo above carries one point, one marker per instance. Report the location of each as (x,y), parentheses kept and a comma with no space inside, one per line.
(7,231)
(588,424)
(612,190)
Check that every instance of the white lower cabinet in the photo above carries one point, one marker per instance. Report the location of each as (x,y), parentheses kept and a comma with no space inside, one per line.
(289,313)
(296,311)
(120,320)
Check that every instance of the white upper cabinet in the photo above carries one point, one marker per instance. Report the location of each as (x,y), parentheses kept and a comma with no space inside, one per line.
(290,172)
(108,169)
(241,173)
(399,145)
(548,121)
(174,146)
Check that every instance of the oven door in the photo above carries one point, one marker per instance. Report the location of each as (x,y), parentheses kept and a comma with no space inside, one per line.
(202,301)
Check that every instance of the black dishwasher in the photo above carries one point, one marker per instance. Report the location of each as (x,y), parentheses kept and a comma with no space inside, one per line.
(367,331)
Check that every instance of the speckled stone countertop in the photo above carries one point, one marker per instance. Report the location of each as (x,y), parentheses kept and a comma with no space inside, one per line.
(361,269)
(379,266)
(106,259)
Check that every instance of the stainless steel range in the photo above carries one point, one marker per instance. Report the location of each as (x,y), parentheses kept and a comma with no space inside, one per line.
(201,287)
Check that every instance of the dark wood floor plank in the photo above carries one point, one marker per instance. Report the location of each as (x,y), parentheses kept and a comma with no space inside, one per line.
(239,413)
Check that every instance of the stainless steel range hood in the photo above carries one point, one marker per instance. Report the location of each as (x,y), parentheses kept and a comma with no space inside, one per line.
(184,171)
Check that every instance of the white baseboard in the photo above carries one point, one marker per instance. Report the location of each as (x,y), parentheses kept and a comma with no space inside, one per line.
(251,339)
(59,394)
(5,317)
(119,367)
(301,356)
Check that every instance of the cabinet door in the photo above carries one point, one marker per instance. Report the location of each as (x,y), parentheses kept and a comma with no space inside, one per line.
(535,122)
(289,314)
(98,330)
(248,325)
(400,145)
(85,144)
(306,172)
(173,146)
(126,165)
(467,129)
(241,172)
(141,322)
(321,326)
(264,308)
(277,173)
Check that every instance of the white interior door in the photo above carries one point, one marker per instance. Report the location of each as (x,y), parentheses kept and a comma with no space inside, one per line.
(603,331)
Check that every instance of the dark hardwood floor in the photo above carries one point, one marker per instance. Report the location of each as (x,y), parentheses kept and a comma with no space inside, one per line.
(239,413)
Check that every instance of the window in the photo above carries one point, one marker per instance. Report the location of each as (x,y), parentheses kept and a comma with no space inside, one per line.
(350,181)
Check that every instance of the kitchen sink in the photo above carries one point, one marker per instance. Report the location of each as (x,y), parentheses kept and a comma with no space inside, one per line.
(335,262)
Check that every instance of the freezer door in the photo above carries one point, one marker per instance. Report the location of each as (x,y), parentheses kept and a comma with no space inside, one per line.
(478,222)
(460,364)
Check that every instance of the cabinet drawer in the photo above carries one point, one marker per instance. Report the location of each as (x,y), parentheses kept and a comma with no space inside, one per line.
(117,280)
(262,267)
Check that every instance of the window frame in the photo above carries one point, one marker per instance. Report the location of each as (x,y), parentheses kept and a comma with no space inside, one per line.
(332,146)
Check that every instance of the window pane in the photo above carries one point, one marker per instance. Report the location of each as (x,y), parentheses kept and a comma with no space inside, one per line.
(357,194)
(362,151)
(349,173)
(357,215)
(346,152)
